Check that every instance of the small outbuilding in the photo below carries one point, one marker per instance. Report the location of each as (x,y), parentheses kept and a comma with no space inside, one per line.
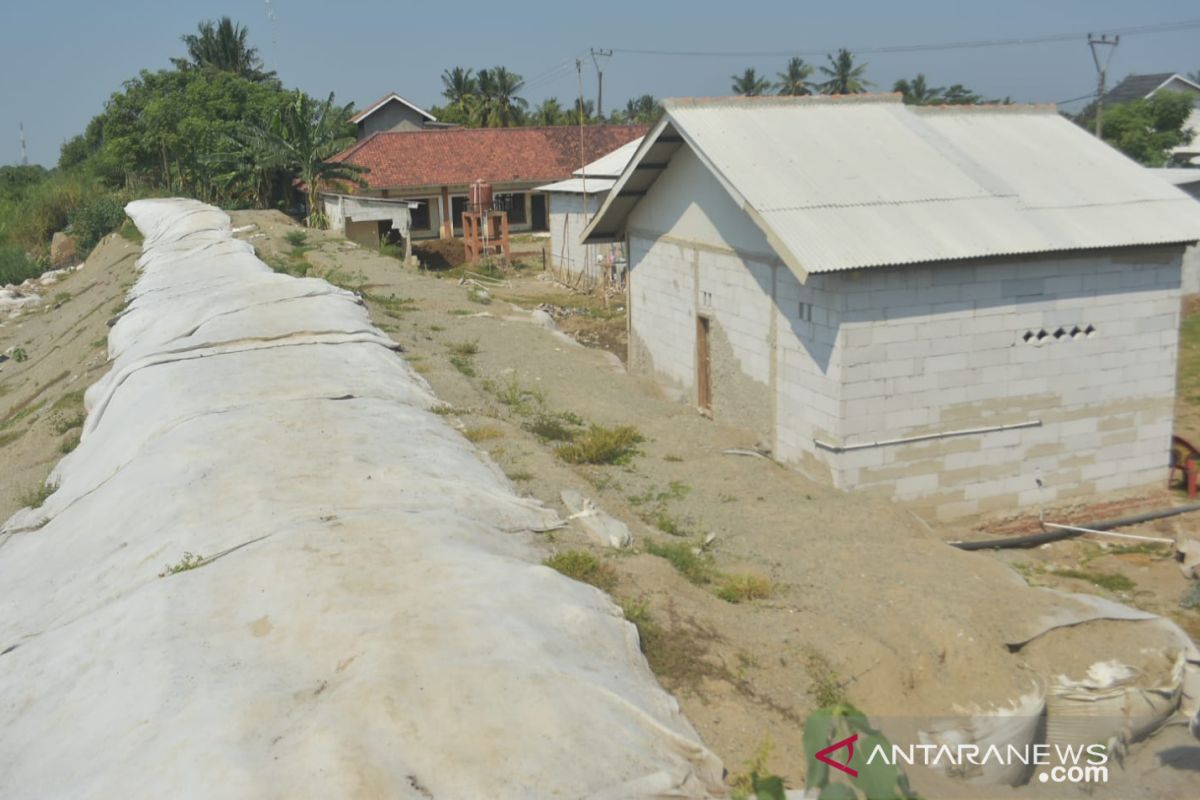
(976,308)
(573,202)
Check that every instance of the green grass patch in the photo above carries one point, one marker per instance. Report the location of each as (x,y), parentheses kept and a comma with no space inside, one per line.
(585,567)
(464,365)
(696,566)
(601,444)
(391,305)
(514,395)
(561,427)
(482,433)
(68,444)
(68,400)
(1112,581)
(743,588)
(34,498)
(63,423)
(465,348)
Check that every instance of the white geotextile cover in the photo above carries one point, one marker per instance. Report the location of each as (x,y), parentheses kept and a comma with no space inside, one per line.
(376,622)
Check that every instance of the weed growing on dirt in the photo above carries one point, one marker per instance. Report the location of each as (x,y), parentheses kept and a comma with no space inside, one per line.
(824,688)
(61,298)
(464,365)
(756,781)
(515,396)
(63,424)
(742,588)
(189,562)
(465,348)
(460,312)
(19,354)
(442,410)
(68,444)
(34,498)
(677,652)
(585,567)
(391,305)
(676,490)
(519,475)
(296,238)
(74,398)
(477,295)
(561,427)
(689,561)
(664,521)
(481,433)
(601,444)
(1112,581)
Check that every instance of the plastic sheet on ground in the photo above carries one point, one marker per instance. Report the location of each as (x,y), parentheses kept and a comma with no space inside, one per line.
(270,571)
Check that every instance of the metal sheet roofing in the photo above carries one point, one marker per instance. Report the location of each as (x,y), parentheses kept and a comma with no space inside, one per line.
(611,165)
(852,182)
(578,185)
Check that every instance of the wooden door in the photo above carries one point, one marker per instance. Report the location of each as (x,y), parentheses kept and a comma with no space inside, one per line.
(703,366)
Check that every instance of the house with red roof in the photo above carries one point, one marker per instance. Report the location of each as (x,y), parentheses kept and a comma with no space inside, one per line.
(430,172)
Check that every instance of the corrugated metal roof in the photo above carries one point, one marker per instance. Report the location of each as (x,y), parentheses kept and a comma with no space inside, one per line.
(844,183)
(577,185)
(611,165)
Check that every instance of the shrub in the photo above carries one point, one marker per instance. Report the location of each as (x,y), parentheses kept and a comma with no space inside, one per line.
(296,238)
(601,444)
(553,427)
(585,567)
(15,266)
(94,217)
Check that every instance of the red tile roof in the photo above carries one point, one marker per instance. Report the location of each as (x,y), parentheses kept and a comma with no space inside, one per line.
(498,155)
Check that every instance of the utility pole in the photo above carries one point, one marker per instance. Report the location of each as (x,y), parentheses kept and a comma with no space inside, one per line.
(598,57)
(1101,73)
(24,153)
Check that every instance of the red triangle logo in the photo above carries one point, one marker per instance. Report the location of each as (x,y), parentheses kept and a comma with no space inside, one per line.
(844,766)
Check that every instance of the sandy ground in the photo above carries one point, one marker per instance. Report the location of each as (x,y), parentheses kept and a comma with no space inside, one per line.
(867,602)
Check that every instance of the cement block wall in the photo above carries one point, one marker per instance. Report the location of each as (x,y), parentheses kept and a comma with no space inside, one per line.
(568,218)
(853,358)
(939,348)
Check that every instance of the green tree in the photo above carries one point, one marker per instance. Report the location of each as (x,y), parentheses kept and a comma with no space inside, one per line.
(794,80)
(301,139)
(222,45)
(643,110)
(585,109)
(958,95)
(749,84)
(460,88)
(844,76)
(498,105)
(917,92)
(1146,130)
(550,112)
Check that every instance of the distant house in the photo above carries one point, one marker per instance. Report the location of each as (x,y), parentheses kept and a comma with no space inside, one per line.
(431,170)
(392,113)
(1141,87)
(973,308)
(572,204)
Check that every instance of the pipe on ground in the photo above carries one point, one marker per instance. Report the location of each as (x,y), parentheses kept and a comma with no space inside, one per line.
(1033,540)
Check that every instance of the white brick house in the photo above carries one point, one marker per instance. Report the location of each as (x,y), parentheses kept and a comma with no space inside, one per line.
(947,304)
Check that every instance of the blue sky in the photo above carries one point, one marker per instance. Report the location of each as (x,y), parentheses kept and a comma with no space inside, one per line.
(61,60)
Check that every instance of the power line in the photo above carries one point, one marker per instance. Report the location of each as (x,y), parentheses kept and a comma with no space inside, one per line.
(1163,27)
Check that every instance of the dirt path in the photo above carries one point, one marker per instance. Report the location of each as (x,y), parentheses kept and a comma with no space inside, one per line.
(866,603)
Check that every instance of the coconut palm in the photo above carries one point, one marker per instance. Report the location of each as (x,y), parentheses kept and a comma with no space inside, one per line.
(222,45)
(300,140)
(499,106)
(644,110)
(460,87)
(550,112)
(749,84)
(844,76)
(794,80)
(917,92)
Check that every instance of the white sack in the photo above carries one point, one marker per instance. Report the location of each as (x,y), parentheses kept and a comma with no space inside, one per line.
(370,620)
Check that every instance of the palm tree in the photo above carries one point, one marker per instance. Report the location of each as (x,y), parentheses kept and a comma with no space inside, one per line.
(959,95)
(499,106)
(917,93)
(222,45)
(644,110)
(794,80)
(749,84)
(301,138)
(460,88)
(550,112)
(844,76)
(585,109)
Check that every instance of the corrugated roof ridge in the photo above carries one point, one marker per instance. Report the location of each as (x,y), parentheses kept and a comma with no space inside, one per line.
(783,100)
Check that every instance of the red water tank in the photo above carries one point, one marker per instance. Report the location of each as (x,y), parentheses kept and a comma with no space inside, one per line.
(481,195)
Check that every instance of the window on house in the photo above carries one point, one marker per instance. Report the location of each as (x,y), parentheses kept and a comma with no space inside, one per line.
(418,212)
(514,204)
(458,205)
